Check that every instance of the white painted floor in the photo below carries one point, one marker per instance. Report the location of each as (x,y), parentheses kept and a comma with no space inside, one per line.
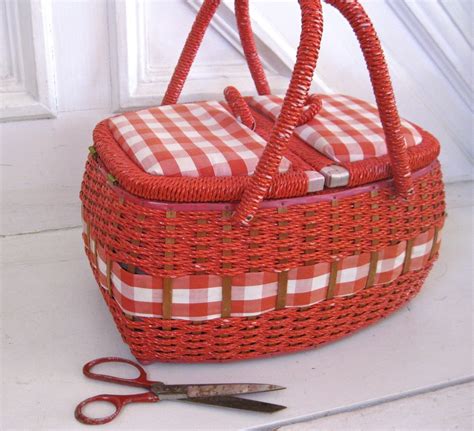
(53,321)
(445,409)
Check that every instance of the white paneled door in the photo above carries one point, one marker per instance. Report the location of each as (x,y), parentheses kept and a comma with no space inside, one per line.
(27,73)
(66,64)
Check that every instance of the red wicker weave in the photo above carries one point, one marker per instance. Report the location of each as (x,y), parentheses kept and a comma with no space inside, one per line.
(172,227)
(273,333)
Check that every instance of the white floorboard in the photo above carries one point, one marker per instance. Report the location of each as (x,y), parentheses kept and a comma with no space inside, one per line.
(41,171)
(443,410)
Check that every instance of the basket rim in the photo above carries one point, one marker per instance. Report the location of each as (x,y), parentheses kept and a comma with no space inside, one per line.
(330,195)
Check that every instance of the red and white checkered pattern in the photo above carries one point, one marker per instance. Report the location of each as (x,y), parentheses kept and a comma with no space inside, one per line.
(194,140)
(199,297)
(421,250)
(390,263)
(253,293)
(138,295)
(196,297)
(307,285)
(352,274)
(345,130)
(191,140)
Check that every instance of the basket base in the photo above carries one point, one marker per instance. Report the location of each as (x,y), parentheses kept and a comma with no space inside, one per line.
(273,333)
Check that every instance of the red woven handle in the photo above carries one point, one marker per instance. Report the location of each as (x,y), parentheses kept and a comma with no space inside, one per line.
(381,83)
(296,96)
(314,105)
(247,40)
(194,40)
(239,107)
(291,111)
(383,91)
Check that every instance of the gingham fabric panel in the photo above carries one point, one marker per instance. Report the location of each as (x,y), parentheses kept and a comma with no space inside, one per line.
(199,297)
(345,130)
(421,250)
(191,140)
(253,293)
(352,274)
(390,263)
(307,285)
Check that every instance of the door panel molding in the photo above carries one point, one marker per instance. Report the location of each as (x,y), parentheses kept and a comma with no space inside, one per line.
(27,79)
(445,43)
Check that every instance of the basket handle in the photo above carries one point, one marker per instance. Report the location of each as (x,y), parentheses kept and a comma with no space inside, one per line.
(194,40)
(244,24)
(295,99)
(297,92)
(384,96)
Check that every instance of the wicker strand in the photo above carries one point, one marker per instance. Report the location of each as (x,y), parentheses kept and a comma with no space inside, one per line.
(296,96)
(247,39)
(193,42)
(239,107)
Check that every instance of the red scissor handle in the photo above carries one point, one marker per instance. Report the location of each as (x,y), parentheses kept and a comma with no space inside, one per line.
(118,401)
(141,381)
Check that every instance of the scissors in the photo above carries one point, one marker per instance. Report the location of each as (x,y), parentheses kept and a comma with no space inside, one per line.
(211,394)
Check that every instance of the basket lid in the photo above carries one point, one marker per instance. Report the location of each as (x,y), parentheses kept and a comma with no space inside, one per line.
(346,129)
(190,140)
(194,152)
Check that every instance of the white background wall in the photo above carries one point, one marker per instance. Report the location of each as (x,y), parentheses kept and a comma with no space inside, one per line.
(66,64)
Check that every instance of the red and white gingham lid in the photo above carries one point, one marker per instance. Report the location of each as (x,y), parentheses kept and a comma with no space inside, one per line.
(345,130)
(193,140)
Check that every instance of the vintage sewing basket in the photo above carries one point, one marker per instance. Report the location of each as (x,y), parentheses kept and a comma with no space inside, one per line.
(254,226)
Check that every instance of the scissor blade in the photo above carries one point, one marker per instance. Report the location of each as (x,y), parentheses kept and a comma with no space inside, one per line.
(177,392)
(238,403)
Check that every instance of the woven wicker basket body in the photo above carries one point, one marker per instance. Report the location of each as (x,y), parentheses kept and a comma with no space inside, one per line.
(280,238)
(167,229)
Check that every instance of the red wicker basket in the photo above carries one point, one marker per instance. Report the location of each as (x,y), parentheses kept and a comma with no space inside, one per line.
(230,230)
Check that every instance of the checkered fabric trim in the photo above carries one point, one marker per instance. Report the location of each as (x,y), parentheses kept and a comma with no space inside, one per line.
(345,130)
(199,297)
(191,140)
(390,263)
(307,285)
(421,250)
(253,293)
(352,274)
